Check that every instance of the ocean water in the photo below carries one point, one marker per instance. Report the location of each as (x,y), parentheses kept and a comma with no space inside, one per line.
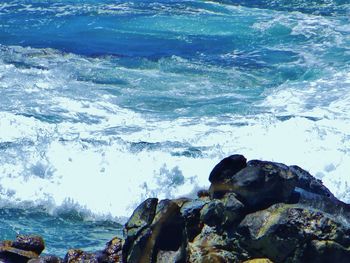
(105,103)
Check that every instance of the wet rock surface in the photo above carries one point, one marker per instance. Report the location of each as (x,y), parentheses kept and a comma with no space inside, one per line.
(256,212)
(23,249)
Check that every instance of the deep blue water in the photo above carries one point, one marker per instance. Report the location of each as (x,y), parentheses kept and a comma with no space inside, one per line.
(104,103)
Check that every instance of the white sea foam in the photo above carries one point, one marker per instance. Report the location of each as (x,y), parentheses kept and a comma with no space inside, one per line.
(66,144)
(109,179)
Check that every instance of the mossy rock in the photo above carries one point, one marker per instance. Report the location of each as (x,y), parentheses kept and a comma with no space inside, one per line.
(284,233)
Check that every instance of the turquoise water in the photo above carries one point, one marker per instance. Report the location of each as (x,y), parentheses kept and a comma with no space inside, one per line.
(104,103)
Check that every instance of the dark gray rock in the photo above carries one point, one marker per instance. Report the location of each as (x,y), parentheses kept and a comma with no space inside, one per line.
(142,248)
(222,212)
(226,168)
(285,232)
(234,210)
(212,213)
(141,218)
(169,225)
(259,185)
(309,183)
(191,214)
(165,233)
(325,251)
(142,215)
(14,255)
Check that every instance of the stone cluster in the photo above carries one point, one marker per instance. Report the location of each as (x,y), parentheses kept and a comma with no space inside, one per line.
(254,211)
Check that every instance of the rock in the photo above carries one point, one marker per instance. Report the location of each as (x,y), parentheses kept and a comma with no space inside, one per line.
(227,168)
(283,232)
(14,255)
(210,255)
(46,259)
(213,213)
(79,256)
(258,260)
(112,252)
(165,233)
(234,209)
(211,237)
(324,251)
(168,256)
(191,214)
(23,249)
(181,201)
(142,248)
(210,246)
(309,183)
(254,212)
(141,218)
(29,243)
(259,185)
(168,224)
(222,212)
(203,193)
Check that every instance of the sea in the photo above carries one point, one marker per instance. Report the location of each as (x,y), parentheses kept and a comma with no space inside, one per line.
(104,103)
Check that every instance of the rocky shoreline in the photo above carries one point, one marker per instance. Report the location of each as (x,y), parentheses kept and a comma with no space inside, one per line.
(254,211)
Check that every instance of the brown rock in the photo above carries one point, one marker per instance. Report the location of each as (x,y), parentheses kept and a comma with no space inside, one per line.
(112,251)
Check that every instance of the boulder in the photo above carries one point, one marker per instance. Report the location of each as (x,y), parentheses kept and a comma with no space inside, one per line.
(259,185)
(23,249)
(14,255)
(29,243)
(324,251)
(164,233)
(141,218)
(212,213)
(227,167)
(285,232)
(79,256)
(210,246)
(309,183)
(112,252)
(190,212)
(222,212)
(46,259)
(210,255)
